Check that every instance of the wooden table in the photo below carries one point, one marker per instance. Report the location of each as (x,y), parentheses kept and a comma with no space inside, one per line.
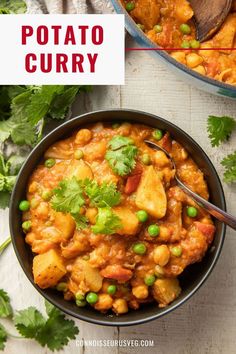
(207,322)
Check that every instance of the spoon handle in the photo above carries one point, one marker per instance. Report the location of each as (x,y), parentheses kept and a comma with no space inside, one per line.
(219,214)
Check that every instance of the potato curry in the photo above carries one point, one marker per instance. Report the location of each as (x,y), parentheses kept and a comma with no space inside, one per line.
(108,225)
(169,24)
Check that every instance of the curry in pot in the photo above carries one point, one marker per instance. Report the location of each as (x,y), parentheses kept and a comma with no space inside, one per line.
(168,23)
(106,222)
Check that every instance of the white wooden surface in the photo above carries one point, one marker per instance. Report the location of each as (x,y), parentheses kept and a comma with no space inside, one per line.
(207,322)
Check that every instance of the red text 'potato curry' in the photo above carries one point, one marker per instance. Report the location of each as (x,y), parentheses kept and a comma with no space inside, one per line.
(107,223)
(169,24)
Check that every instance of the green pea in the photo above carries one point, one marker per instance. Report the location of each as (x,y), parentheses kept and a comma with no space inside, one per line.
(146,159)
(185,29)
(139,248)
(142,215)
(80,303)
(157,134)
(130,6)
(61,286)
(158,28)
(149,280)
(26,225)
(24,205)
(78,154)
(46,194)
(142,27)
(153,230)
(192,212)
(185,45)
(176,251)
(92,298)
(111,290)
(49,163)
(194,44)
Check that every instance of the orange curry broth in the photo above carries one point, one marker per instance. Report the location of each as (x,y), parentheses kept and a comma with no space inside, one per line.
(170,14)
(91,262)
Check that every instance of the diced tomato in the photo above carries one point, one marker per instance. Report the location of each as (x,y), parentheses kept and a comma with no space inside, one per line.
(208,230)
(132,183)
(117,272)
(166,142)
(212,67)
(134,179)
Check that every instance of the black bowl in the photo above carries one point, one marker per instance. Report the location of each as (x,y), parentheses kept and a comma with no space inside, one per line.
(190,280)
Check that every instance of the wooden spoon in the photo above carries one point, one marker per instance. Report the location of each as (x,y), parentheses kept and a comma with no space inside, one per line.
(209,16)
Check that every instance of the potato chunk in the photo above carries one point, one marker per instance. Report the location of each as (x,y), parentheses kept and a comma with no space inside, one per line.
(65,223)
(166,291)
(89,275)
(79,169)
(128,219)
(151,195)
(48,269)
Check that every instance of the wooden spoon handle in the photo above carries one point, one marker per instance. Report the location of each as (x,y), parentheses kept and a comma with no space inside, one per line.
(209,16)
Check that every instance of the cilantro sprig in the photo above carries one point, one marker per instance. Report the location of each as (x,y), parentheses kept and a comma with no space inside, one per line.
(229,162)
(54,331)
(107,222)
(220,129)
(102,195)
(121,155)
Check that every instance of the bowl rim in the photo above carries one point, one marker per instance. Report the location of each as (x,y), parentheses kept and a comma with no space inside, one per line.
(149,44)
(105,321)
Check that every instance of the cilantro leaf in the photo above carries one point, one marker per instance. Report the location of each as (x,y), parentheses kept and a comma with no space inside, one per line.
(220,129)
(12,6)
(69,198)
(107,222)
(29,322)
(80,220)
(119,141)
(102,195)
(5,306)
(57,331)
(229,162)
(53,332)
(121,155)
(3,337)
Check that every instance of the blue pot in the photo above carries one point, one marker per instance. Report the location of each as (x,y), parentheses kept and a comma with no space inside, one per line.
(200,81)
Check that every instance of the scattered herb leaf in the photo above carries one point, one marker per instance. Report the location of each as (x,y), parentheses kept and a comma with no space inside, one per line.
(5,306)
(102,195)
(229,162)
(220,129)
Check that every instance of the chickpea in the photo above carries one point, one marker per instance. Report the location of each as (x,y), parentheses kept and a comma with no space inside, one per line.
(33,187)
(42,210)
(104,302)
(193,60)
(91,214)
(180,57)
(200,69)
(165,233)
(125,129)
(161,255)
(30,238)
(140,291)
(83,137)
(120,306)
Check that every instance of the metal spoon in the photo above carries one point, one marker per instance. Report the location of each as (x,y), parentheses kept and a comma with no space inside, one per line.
(219,214)
(209,16)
